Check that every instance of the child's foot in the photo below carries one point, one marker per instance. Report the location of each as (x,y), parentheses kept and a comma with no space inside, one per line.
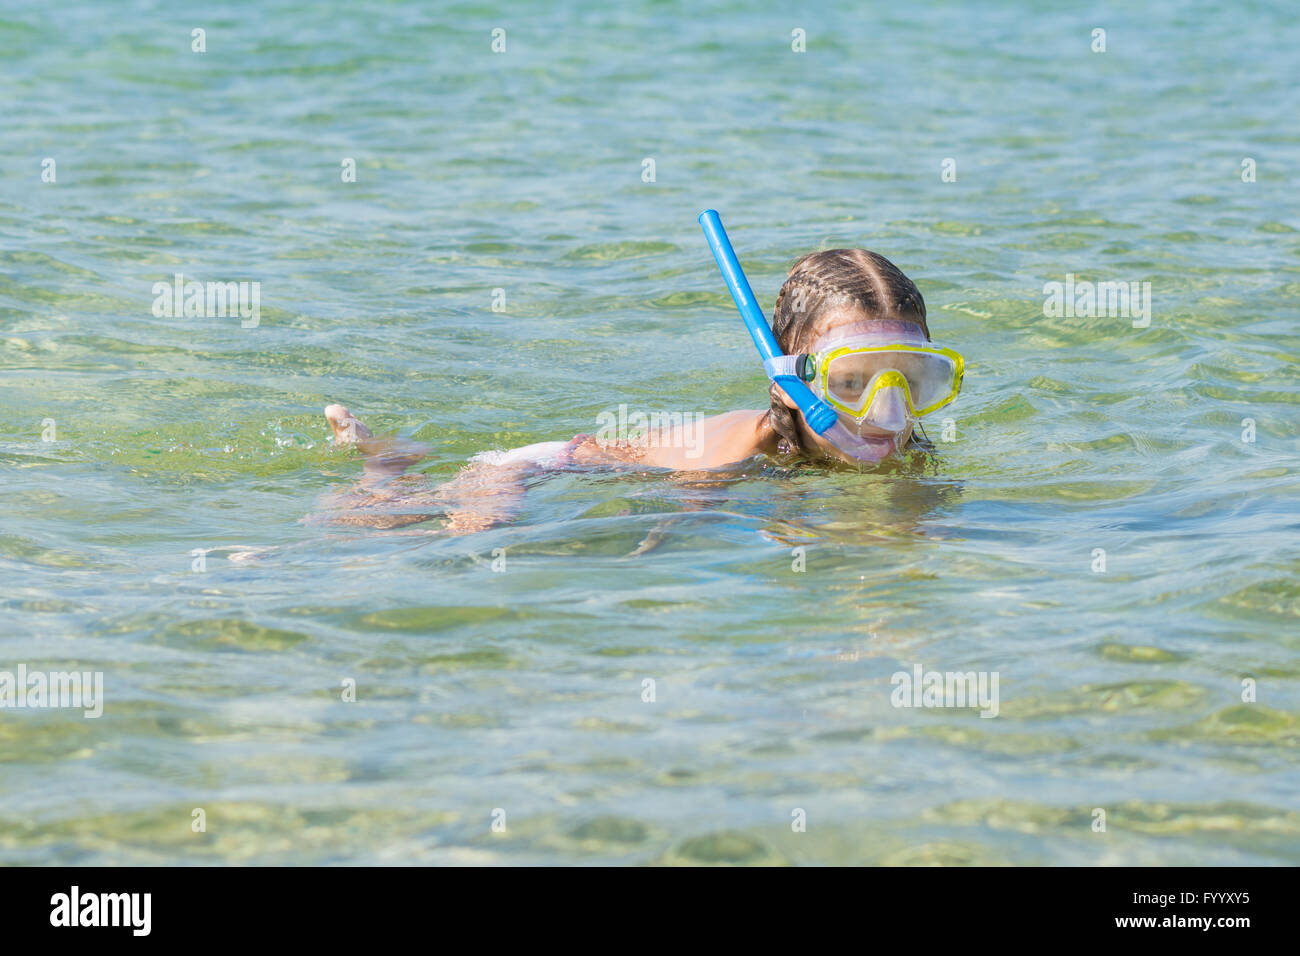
(384,457)
(347,429)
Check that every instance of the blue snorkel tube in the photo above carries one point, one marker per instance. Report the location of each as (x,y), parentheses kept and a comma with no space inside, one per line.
(780,368)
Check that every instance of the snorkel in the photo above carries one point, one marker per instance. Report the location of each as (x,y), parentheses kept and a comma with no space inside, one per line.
(782,369)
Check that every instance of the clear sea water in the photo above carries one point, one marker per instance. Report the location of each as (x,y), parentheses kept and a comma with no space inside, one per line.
(521,691)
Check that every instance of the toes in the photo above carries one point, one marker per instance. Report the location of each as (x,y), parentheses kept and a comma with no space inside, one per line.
(344,424)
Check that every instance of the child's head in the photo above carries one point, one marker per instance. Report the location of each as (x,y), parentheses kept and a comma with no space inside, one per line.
(849,291)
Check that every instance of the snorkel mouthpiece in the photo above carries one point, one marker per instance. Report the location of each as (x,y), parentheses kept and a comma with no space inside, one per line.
(820,417)
(863,449)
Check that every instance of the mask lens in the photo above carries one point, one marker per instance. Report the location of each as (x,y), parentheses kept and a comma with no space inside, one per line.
(848,376)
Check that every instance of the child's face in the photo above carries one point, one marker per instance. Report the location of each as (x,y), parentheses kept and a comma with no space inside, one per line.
(851,320)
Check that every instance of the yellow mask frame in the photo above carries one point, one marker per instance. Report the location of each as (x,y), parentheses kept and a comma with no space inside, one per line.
(819,364)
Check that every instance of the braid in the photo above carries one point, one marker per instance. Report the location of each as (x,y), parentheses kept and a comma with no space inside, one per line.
(783,422)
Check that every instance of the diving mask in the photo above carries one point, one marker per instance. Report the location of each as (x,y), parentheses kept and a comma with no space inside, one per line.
(850,373)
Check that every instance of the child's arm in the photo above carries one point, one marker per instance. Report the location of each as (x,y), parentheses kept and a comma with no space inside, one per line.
(711,443)
(488,492)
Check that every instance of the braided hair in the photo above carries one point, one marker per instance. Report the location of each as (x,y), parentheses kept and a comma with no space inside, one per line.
(819,280)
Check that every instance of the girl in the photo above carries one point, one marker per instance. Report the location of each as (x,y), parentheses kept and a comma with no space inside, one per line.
(851,325)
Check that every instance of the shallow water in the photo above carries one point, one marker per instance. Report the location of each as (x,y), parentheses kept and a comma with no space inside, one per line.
(521,690)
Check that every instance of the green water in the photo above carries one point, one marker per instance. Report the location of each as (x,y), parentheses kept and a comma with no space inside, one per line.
(521,690)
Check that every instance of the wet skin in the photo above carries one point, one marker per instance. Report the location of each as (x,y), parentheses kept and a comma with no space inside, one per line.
(484,494)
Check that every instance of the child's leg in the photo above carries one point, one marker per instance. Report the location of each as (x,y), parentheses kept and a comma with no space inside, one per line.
(385,457)
(482,495)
